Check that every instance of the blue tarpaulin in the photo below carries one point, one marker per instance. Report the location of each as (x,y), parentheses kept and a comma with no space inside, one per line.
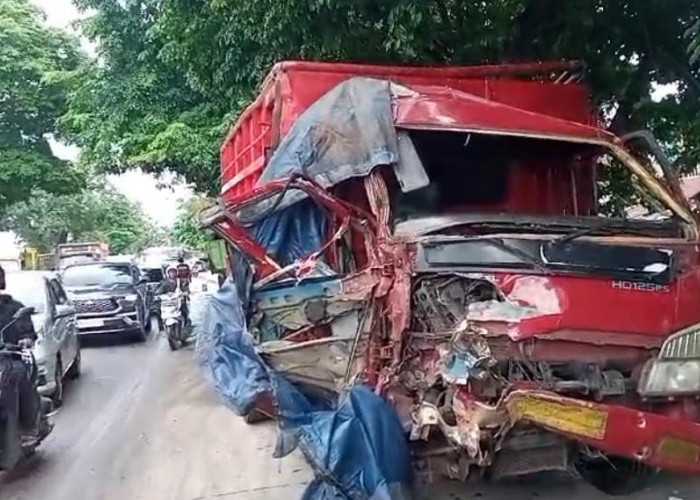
(356,445)
(346,133)
(292,233)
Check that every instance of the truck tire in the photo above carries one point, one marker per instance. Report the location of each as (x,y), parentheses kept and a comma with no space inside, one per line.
(612,475)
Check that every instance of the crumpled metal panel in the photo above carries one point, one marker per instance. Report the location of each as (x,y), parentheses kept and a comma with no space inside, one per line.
(356,445)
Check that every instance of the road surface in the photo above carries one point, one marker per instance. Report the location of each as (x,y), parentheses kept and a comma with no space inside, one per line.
(142,424)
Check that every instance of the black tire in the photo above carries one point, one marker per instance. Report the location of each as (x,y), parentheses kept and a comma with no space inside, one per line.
(57,395)
(76,368)
(147,321)
(613,475)
(141,334)
(173,342)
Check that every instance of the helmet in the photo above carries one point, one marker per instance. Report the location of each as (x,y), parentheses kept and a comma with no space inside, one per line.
(171,272)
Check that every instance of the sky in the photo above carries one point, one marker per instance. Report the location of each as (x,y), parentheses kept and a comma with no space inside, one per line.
(158,203)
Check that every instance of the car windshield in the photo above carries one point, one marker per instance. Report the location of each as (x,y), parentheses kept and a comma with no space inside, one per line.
(161,253)
(29,290)
(102,275)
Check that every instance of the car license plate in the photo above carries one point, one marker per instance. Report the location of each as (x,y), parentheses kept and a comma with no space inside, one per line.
(90,323)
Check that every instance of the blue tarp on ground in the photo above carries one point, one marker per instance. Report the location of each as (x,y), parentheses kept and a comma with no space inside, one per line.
(356,447)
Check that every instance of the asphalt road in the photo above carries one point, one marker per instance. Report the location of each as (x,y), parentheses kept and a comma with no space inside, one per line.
(142,424)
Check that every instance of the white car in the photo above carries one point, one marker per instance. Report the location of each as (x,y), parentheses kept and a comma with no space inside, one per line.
(57,350)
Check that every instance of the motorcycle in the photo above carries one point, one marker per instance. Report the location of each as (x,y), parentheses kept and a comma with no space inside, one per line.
(173,320)
(17,439)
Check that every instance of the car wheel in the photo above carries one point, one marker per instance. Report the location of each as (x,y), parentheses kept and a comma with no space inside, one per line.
(140,334)
(75,369)
(57,396)
(147,321)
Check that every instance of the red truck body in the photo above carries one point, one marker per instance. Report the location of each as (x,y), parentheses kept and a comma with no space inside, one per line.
(575,325)
(292,87)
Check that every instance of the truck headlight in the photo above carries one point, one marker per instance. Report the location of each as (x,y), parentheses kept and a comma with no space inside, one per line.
(676,370)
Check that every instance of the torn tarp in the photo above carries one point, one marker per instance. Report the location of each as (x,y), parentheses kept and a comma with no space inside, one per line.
(292,233)
(356,446)
(345,134)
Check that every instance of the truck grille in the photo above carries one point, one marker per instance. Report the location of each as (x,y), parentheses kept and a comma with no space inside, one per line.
(94,306)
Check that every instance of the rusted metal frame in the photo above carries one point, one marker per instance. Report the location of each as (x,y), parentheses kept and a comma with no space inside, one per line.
(238,237)
(226,225)
(305,265)
(655,439)
(394,289)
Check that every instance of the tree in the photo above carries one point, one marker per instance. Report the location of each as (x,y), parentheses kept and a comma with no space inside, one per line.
(175,72)
(46,219)
(33,59)
(185,230)
(693,34)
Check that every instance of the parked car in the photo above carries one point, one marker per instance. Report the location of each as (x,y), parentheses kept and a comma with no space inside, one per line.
(57,350)
(109,298)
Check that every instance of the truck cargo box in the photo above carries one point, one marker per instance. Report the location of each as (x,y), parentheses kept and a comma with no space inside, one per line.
(550,88)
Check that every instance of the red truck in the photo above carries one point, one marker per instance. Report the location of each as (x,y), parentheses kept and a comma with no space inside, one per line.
(444,235)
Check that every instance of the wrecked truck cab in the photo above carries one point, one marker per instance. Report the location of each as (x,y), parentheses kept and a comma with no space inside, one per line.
(438,234)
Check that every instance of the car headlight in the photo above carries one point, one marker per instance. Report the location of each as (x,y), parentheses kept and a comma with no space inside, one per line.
(128,303)
(676,370)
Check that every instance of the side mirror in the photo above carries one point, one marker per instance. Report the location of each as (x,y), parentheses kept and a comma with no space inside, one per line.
(64,310)
(23,313)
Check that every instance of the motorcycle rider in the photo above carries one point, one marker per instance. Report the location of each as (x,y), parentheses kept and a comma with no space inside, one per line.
(18,394)
(183,273)
(170,285)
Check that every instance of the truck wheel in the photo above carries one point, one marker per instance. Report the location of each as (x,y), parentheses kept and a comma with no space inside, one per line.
(612,475)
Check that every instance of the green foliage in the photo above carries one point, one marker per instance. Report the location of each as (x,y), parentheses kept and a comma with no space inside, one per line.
(185,230)
(97,213)
(173,73)
(23,169)
(693,34)
(32,97)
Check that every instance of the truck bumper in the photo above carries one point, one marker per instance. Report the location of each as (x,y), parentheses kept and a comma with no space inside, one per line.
(657,440)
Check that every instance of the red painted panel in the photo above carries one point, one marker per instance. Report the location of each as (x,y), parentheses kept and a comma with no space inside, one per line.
(292,87)
(606,305)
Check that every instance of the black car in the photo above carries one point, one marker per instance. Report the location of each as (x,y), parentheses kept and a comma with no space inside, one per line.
(109,298)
